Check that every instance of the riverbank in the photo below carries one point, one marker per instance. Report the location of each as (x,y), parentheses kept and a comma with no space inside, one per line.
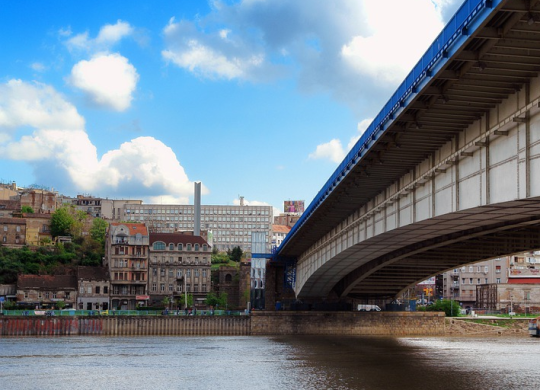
(486,327)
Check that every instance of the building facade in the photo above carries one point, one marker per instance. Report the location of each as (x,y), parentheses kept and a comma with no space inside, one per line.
(93,285)
(279,232)
(126,258)
(460,284)
(45,291)
(38,228)
(13,232)
(230,226)
(179,263)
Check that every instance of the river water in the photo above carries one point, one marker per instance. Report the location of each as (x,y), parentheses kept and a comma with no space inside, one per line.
(300,362)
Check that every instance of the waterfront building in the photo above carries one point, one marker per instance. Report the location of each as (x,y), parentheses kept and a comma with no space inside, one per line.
(179,263)
(126,257)
(93,284)
(45,291)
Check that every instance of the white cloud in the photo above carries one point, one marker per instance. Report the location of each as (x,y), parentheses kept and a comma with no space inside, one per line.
(61,152)
(108,80)
(38,67)
(36,105)
(259,41)
(332,151)
(108,36)
(275,210)
(385,55)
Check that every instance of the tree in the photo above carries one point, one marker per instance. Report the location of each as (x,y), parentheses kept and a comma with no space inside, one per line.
(27,209)
(98,230)
(61,222)
(181,301)
(450,307)
(235,254)
(216,300)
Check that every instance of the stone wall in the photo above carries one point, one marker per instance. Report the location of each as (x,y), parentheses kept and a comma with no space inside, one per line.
(349,323)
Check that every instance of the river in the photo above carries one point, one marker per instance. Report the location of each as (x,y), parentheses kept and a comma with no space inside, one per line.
(301,362)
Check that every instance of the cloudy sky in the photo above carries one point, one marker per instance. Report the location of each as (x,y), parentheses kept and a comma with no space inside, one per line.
(254,98)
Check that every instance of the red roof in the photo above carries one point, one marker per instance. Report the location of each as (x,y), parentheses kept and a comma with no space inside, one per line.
(177,238)
(523,280)
(134,228)
(47,281)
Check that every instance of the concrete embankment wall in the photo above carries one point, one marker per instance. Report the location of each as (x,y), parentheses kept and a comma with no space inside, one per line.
(259,323)
(349,323)
(124,326)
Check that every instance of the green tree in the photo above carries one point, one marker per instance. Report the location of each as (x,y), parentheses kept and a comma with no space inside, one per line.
(216,300)
(220,258)
(235,254)
(61,222)
(27,209)
(181,301)
(98,230)
(450,307)
(166,302)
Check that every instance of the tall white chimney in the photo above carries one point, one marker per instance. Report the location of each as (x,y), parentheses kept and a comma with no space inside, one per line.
(197,204)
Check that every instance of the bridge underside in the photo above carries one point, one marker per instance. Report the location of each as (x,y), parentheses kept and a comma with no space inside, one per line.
(385,265)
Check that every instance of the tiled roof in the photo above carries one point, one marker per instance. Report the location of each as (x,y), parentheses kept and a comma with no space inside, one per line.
(13,221)
(47,281)
(37,215)
(92,273)
(134,228)
(177,238)
(281,229)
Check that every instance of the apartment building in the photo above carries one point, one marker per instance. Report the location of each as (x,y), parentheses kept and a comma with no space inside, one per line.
(93,283)
(460,283)
(179,263)
(13,231)
(126,257)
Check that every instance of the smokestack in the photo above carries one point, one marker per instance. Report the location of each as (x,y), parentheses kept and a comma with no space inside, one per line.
(197,204)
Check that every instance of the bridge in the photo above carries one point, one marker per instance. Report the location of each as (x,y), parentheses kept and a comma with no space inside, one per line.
(447,174)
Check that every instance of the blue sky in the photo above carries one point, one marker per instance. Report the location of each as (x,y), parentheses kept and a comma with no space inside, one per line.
(254,98)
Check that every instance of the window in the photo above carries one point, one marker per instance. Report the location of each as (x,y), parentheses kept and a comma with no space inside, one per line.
(478,280)
(180,247)
(97,290)
(196,247)
(171,273)
(154,271)
(470,281)
(204,273)
(54,295)
(196,273)
(498,269)
(159,246)
(188,273)
(105,290)
(179,273)
(486,269)
(471,269)
(498,280)
(162,287)
(154,287)
(188,247)
(162,273)
(81,290)
(171,247)
(89,289)
(170,287)
(188,287)
(68,295)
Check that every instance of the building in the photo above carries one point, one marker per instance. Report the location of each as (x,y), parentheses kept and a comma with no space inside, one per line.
(228,282)
(13,232)
(114,209)
(8,191)
(230,226)
(45,291)
(460,284)
(126,258)
(178,263)
(41,201)
(10,208)
(8,292)
(93,284)
(88,204)
(279,232)
(38,228)
(286,219)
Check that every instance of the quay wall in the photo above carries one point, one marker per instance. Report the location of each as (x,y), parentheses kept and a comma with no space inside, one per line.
(125,326)
(349,323)
(259,323)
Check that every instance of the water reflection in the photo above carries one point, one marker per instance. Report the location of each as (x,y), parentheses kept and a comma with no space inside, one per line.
(308,362)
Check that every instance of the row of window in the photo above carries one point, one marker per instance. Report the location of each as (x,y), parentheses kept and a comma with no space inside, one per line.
(160,246)
(178,288)
(478,269)
(135,276)
(181,260)
(179,272)
(49,295)
(97,290)
(204,211)
(17,228)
